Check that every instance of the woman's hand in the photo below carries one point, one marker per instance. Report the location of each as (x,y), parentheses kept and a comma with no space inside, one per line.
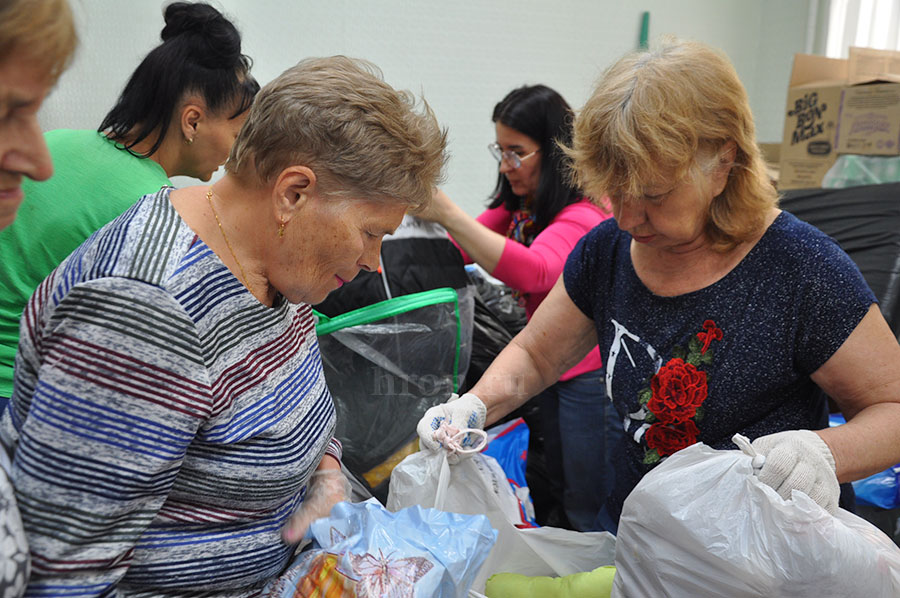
(459,413)
(799,460)
(482,245)
(327,487)
(439,208)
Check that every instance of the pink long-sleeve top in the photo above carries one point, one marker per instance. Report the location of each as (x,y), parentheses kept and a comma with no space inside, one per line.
(533,270)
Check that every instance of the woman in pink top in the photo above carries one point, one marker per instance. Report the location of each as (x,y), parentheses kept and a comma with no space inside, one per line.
(523,239)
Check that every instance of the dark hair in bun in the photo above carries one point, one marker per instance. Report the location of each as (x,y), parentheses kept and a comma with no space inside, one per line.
(200,53)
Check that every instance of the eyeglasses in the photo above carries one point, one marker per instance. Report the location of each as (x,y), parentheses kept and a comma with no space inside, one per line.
(514,159)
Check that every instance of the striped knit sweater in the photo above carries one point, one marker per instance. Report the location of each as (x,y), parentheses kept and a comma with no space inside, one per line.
(163,423)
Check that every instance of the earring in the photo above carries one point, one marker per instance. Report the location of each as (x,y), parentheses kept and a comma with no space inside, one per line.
(281,228)
(189,140)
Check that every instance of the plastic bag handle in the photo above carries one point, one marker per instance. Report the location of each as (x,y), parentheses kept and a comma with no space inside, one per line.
(458,448)
(743,443)
(440,495)
(450,438)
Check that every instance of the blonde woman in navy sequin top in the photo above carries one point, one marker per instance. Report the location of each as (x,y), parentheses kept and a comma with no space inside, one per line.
(716,313)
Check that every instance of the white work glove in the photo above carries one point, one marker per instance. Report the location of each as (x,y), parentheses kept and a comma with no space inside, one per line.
(326,488)
(443,422)
(799,459)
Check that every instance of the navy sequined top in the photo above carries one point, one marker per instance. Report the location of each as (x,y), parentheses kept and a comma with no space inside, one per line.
(735,356)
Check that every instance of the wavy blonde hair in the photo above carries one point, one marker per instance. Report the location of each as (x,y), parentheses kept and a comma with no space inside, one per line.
(43,30)
(669,111)
(338,116)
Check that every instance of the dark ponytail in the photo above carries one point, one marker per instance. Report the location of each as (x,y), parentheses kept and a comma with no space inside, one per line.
(542,114)
(200,53)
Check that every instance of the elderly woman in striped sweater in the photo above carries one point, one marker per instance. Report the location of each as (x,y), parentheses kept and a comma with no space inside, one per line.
(171,426)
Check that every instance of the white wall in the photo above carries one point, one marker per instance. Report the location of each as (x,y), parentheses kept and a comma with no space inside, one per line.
(463,55)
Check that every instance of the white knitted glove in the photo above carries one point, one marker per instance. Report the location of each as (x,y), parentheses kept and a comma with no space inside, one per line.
(458,413)
(326,488)
(799,459)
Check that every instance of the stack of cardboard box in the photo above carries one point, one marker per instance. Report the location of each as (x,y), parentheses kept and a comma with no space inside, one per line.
(839,106)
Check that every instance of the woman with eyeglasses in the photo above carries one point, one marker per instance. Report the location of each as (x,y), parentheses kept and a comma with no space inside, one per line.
(534,220)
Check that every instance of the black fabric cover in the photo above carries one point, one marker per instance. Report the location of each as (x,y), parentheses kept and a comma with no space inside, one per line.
(418,257)
(384,376)
(866,222)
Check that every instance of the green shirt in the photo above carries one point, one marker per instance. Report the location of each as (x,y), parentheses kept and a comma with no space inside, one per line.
(92,184)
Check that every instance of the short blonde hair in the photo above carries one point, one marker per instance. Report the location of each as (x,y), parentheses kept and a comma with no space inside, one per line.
(338,116)
(44,30)
(667,111)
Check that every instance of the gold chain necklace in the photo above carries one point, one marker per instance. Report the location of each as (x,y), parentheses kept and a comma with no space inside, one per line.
(244,278)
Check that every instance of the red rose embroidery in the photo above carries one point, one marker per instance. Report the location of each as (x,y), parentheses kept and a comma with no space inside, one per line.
(673,402)
(678,389)
(668,439)
(710,333)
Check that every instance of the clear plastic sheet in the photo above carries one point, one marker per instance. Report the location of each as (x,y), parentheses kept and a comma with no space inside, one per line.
(384,370)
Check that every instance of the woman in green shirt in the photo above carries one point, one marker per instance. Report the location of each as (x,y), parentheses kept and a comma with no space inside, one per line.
(178,115)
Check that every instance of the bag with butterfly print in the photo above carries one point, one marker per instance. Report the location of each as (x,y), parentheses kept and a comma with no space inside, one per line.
(363,550)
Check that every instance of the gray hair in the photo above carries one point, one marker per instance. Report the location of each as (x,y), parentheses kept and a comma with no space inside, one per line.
(359,135)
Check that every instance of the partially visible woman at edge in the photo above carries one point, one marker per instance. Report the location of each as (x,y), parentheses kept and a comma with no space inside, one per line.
(37,41)
(172,431)
(178,115)
(523,238)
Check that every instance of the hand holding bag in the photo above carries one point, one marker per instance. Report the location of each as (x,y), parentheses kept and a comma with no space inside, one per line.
(702,524)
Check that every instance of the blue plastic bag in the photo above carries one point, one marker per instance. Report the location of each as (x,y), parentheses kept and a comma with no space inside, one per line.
(365,551)
(508,445)
(878,490)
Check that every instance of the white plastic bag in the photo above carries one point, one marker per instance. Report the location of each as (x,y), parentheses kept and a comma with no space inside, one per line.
(701,524)
(478,485)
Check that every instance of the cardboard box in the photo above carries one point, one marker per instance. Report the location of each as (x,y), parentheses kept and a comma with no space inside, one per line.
(811,117)
(870,107)
(870,120)
(866,65)
(838,106)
